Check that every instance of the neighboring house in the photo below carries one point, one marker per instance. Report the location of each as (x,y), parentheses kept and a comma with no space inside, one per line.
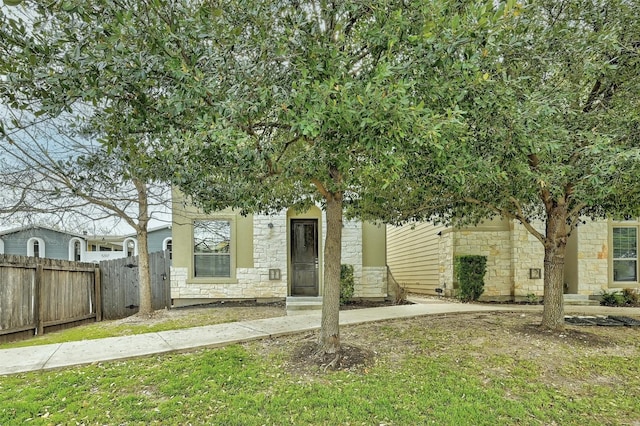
(41,241)
(225,255)
(111,246)
(601,256)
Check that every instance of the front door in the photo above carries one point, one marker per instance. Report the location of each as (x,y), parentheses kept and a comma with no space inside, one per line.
(304,257)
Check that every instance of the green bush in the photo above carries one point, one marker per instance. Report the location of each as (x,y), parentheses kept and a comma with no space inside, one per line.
(470,272)
(631,297)
(615,298)
(346,283)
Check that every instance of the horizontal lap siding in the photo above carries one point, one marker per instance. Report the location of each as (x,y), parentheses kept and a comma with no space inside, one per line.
(413,256)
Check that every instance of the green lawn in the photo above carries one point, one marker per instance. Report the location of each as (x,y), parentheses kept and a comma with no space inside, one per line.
(457,370)
(163,320)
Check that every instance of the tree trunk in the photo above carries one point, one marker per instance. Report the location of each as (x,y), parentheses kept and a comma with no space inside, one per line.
(329,341)
(554,253)
(144,277)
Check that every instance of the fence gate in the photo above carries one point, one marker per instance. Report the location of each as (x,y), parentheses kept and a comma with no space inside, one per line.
(120,287)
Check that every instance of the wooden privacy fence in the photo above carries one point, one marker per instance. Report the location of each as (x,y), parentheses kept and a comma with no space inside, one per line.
(38,295)
(120,290)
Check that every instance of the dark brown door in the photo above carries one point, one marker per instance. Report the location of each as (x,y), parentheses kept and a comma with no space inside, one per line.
(304,257)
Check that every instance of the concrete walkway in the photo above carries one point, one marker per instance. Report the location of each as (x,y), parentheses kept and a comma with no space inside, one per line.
(46,357)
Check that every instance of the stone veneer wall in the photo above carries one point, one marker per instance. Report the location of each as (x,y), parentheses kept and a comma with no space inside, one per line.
(270,252)
(527,253)
(496,246)
(445,261)
(510,255)
(593,257)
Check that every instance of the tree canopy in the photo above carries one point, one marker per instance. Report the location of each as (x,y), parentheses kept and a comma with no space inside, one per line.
(553,130)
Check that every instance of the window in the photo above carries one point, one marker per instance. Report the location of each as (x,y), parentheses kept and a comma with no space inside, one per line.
(212,248)
(77,251)
(625,254)
(167,247)
(35,247)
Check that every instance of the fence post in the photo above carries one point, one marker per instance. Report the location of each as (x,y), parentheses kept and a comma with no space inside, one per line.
(98,291)
(39,313)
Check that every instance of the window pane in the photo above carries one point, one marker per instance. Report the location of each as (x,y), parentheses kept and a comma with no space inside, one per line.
(212,236)
(211,247)
(625,243)
(217,265)
(625,270)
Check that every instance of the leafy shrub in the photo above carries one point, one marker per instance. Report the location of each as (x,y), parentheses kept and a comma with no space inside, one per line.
(470,272)
(631,297)
(346,283)
(615,298)
(532,299)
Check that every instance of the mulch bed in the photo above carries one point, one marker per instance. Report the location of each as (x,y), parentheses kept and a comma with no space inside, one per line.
(604,321)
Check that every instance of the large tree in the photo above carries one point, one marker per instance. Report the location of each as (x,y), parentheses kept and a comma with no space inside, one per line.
(263,104)
(323,102)
(70,152)
(553,130)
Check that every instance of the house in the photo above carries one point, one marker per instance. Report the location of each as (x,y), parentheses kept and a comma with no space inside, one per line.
(601,256)
(225,255)
(106,247)
(42,241)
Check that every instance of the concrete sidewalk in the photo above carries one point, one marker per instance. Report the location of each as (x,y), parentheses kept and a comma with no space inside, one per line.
(46,357)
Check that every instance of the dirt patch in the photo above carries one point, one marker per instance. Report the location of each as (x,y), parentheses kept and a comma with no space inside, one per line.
(305,357)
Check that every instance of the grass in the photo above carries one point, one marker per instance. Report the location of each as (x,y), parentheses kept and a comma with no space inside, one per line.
(166,321)
(459,370)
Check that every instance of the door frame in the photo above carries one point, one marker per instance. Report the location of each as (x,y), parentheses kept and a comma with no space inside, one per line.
(313,213)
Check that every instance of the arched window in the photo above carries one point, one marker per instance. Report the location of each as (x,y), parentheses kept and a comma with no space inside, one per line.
(35,247)
(1,246)
(167,246)
(76,249)
(130,247)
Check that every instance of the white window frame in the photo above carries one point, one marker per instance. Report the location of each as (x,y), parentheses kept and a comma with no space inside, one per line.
(125,247)
(41,247)
(625,283)
(72,248)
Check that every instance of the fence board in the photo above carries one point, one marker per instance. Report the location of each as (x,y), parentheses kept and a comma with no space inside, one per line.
(38,295)
(120,293)
(43,295)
